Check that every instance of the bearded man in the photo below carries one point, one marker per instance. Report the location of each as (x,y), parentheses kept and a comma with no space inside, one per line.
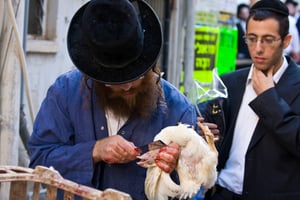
(94,117)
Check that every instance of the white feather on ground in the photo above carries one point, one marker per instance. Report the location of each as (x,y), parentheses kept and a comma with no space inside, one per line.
(196,165)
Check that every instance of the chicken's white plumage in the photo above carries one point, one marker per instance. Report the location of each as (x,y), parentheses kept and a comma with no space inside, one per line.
(196,165)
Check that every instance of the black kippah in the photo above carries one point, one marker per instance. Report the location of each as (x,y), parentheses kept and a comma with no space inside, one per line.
(272,5)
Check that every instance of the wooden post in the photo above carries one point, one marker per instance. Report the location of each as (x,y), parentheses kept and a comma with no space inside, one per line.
(9,91)
(10,75)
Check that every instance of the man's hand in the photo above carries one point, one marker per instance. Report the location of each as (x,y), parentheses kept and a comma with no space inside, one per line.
(212,127)
(167,157)
(262,81)
(114,149)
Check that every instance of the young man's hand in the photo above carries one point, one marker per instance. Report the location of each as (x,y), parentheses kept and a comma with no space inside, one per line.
(261,81)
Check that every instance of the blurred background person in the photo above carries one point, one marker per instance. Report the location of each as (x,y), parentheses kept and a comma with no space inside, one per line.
(292,6)
(242,15)
(294,48)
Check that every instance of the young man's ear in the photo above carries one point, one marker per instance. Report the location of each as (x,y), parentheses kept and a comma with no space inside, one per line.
(287,40)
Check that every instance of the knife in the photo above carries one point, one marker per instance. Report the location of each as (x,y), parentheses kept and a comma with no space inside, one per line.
(151,146)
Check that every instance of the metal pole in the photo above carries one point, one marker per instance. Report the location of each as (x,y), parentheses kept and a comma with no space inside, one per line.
(189,46)
(173,48)
(166,44)
(24,133)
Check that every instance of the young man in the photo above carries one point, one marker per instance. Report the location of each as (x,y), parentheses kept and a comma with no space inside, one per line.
(259,155)
(93,119)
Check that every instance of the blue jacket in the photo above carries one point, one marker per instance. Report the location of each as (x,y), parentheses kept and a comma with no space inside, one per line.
(70,121)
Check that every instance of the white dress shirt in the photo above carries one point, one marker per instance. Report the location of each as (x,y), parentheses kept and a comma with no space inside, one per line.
(114,123)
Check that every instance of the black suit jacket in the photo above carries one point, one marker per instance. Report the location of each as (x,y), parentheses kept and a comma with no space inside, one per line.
(272,162)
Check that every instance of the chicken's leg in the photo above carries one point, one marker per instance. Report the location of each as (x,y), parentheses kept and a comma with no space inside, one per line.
(209,136)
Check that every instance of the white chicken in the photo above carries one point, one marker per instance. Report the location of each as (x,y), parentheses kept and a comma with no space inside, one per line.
(196,165)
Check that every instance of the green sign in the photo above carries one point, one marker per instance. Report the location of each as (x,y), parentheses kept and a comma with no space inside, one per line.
(215,47)
(206,47)
(227,50)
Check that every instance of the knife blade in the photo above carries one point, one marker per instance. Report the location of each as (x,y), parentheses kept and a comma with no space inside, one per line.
(151,146)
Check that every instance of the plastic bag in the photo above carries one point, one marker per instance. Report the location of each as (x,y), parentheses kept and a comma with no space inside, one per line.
(208,100)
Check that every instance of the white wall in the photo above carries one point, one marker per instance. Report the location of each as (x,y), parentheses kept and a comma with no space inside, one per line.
(43,68)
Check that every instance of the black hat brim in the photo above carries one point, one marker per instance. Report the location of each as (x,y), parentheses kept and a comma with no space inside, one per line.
(82,56)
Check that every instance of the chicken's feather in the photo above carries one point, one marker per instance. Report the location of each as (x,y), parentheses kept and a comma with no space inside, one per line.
(196,165)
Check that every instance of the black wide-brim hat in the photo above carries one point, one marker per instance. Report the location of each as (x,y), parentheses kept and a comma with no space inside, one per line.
(114,41)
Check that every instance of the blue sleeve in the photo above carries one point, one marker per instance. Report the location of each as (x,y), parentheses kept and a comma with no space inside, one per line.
(55,142)
(180,109)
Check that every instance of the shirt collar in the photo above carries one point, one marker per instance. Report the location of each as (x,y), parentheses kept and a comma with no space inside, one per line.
(276,76)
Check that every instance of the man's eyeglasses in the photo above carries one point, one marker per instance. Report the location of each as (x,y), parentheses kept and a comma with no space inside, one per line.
(264,41)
